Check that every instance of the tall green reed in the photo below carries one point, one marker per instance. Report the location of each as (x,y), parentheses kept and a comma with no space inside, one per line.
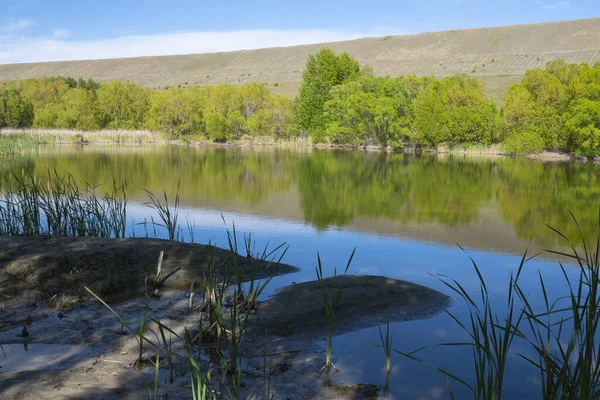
(56,205)
(564,336)
(169,215)
(386,344)
(330,304)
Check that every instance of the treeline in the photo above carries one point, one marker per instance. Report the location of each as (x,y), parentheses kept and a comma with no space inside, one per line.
(220,113)
(555,109)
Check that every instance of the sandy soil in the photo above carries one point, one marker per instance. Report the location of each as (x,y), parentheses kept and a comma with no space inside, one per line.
(82,353)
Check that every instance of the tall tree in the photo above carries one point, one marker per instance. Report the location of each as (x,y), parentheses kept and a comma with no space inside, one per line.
(324,70)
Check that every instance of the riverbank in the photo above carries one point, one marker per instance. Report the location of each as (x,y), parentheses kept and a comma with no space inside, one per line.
(23,141)
(82,350)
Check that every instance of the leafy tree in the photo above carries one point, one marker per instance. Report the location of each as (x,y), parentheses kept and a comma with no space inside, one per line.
(584,128)
(455,110)
(123,105)
(324,70)
(2,111)
(554,109)
(71,82)
(89,84)
(42,91)
(174,112)
(372,110)
(358,115)
(80,111)
(18,113)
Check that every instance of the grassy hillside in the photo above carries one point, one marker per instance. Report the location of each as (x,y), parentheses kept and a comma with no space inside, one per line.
(499,55)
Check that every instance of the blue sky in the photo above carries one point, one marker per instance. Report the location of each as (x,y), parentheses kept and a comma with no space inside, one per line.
(49,30)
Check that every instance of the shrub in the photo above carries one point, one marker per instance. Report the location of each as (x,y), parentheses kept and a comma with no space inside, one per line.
(524,142)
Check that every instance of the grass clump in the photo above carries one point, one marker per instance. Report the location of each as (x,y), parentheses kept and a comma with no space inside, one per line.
(56,205)
(16,144)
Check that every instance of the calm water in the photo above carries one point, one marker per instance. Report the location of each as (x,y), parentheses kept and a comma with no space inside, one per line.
(405,214)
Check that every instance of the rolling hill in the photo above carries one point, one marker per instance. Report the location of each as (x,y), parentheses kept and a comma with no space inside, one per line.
(498,55)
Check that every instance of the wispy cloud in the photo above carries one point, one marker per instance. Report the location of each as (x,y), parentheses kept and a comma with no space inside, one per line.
(57,48)
(555,5)
(61,33)
(12,26)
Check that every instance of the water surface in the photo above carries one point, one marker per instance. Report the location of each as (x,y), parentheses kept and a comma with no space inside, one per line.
(405,214)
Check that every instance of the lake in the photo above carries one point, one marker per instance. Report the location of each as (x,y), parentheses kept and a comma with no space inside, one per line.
(406,215)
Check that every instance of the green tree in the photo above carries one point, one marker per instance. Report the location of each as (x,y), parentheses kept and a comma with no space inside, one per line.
(42,91)
(18,113)
(2,111)
(583,128)
(174,112)
(79,110)
(553,109)
(324,70)
(122,105)
(371,110)
(455,110)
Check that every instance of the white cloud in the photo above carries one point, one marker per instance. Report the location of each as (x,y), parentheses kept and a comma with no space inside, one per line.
(19,50)
(557,5)
(61,33)
(18,25)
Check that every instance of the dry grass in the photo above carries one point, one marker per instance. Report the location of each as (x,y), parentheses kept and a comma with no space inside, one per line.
(498,55)
(66,136)
(475,149)
(294,142)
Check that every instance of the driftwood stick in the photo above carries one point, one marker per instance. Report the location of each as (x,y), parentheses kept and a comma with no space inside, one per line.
(191,303)
(159,266)
(163,280)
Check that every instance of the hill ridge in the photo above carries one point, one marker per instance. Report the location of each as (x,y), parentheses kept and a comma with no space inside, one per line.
(498,55)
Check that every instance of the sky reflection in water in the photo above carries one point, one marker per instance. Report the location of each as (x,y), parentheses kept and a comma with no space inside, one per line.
(404,214)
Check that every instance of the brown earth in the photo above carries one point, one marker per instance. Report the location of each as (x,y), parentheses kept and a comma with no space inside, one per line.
(39,268)
(82,352)
(364,301)
(499,55)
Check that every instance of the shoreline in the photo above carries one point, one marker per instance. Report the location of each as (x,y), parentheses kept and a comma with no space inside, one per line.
(84,345)
(139,137)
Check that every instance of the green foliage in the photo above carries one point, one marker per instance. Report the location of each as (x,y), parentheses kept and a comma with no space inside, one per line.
(76,110)
(15,112)
(324,70)
(2,112)
(583,128)
(371,111)
(220,113)
(89,84)
(524,142)
(123,105)
(454,110)
(422,111)
(174,112)
(558,106)
(339,102)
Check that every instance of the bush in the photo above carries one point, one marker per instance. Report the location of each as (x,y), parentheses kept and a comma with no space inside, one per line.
(524,142)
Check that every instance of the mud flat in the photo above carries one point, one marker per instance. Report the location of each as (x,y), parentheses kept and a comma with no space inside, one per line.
(364,301)
(81,351)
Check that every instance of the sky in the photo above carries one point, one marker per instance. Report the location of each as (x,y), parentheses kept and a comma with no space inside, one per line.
(57,30)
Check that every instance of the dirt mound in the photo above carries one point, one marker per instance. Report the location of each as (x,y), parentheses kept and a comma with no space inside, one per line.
(43,267)
(364,301)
